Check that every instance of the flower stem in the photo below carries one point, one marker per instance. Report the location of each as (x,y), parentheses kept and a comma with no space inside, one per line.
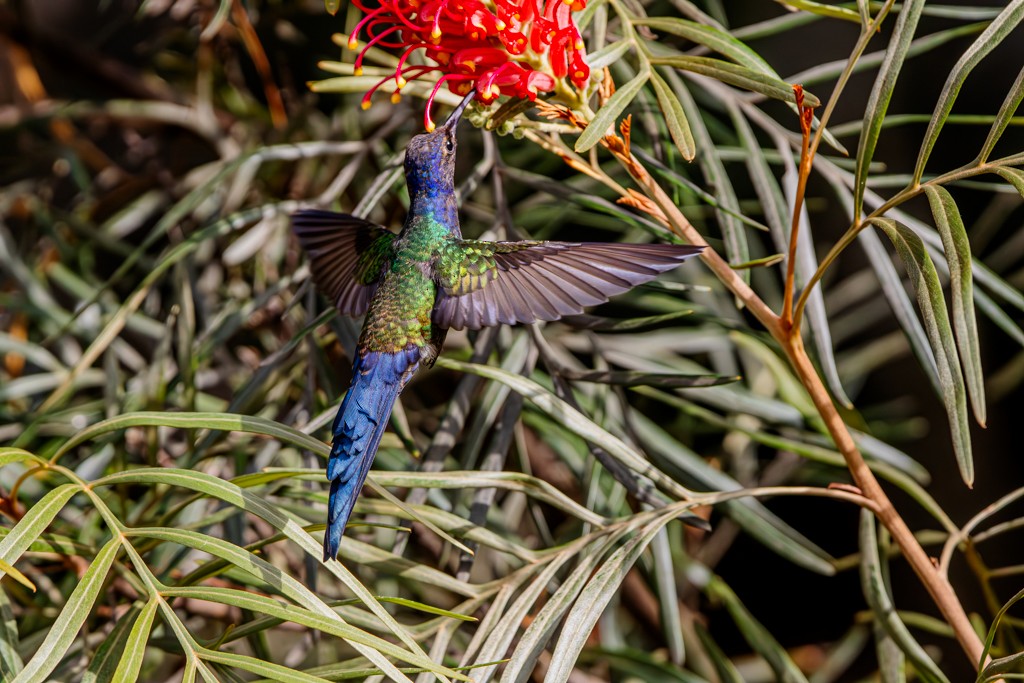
(789,339)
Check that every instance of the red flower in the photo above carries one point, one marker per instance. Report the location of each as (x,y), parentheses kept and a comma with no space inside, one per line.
(517,48)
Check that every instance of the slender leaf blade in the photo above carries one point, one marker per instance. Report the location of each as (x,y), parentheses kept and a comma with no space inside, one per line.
(609,113)
(675,117)
(965,324)
(65,629)
(932,305)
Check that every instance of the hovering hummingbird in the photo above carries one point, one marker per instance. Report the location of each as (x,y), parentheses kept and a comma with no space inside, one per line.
(418,284)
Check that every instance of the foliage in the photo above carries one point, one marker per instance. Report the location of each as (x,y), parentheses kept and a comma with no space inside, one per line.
(539,508)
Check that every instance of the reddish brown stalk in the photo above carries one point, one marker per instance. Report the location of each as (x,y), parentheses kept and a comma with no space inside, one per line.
(806,159)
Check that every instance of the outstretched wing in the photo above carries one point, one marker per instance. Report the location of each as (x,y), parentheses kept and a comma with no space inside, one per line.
(347,255)
(486,283)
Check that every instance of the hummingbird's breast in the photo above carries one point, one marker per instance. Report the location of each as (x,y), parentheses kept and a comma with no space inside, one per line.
(400,312)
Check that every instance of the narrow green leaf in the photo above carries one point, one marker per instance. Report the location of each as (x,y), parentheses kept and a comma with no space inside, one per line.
(9,456)
(232,494)
(757,636)
(12,571)
(268,670)
(629,378)
(10,660)
(609,54)
(715,175)
(737,75)
(1003,117)
(300,615)
(710,37)
(34,523)
(135,647)
(932,305)
(881,94)
(726,670)
(543,625)
(588,607)
(877,595)
(965,324)
(821,9)
(65,629)
(220,421)
(990,38)
(762,262)
(609,113)
(987,674)
(675,117)
(574,421)
(1013,176)
(899,302)
(108,655)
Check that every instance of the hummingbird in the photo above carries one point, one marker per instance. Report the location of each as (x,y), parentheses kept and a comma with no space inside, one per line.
(416,285)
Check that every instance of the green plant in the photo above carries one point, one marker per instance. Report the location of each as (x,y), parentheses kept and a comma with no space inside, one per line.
(169,370)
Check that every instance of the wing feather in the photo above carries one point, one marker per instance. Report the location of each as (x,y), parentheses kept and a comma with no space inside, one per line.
(347,255)
(486,283)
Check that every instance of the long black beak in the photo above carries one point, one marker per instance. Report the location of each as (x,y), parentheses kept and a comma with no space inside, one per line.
(453,120)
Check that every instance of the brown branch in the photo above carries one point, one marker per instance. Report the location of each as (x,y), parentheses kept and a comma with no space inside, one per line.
(791,343)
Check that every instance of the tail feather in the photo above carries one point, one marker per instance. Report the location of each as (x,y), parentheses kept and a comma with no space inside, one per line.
(377,380)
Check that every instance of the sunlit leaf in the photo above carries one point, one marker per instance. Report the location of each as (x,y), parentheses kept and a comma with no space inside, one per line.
(607,115)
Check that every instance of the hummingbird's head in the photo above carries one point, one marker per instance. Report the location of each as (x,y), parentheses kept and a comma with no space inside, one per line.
(430,157)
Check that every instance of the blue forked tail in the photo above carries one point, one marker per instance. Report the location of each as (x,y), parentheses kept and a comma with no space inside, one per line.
(377,379)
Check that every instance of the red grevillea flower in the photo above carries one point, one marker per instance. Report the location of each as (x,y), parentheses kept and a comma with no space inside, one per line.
(517,48)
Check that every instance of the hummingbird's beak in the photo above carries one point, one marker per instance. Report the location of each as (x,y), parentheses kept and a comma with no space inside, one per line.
(453,120)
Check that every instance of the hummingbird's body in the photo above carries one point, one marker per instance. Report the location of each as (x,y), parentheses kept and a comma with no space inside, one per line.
(416,285)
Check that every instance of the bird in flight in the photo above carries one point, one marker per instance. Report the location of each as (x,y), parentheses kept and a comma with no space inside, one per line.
(416,285)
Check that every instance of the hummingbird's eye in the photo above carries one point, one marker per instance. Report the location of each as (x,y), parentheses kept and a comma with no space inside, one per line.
(449,145)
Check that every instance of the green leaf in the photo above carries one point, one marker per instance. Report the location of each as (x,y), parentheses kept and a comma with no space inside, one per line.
(11,571)
(757,636)
(589,606)
(821,9)
(990,38)
(232,494)
(1003,117)
(219,421)
(877,594)
(608,114)
(737,75)
(932,305)
(629,378)
(609,54)
(574,421)
(135,647)
(34,523)
(300,615)
(10,660)
(881,94)
(332,6)
(675,117)
(1013,176)
(108,655)
(996,667)
(65,629)
(268,670)
(965,324)
(899,302)
(710,37)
